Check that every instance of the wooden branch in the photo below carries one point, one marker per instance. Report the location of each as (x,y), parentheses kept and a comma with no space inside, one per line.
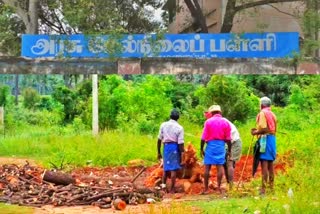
(259,3)
(280,11)
(58,178)
(135,177)
(105,194)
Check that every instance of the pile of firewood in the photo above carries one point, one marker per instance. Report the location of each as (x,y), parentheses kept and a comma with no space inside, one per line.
(34,186)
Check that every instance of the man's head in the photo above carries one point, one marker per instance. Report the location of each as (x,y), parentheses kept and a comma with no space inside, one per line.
(265,102)
(215,109)
(174,115)
(207,114)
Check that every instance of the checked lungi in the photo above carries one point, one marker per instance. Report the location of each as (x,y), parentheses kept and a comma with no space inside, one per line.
(171,157)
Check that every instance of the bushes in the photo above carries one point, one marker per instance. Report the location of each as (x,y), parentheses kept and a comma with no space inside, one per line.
(236,100)
(4,95)
(30,98)
(133,107)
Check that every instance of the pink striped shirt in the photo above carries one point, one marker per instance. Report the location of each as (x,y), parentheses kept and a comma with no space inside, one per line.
(216,128)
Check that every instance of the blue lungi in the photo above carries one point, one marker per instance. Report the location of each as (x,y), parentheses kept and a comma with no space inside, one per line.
(271,150)
(171,157)
(215,153)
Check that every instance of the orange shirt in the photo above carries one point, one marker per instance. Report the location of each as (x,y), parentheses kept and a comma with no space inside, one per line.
(267,119)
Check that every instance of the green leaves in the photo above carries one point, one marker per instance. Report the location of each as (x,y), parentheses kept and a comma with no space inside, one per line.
(235,98)
(140,106)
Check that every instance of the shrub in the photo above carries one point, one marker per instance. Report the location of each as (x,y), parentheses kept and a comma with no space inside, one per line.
(30,98)
(236,100)
(4,95)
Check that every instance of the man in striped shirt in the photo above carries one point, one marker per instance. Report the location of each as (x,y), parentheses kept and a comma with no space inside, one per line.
(171,135)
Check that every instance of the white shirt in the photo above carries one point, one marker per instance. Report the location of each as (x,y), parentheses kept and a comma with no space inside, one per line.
(235,135)
(171,131)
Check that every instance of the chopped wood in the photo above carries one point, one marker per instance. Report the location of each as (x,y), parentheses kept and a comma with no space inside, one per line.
(36,187)
(58,177)
(135,177)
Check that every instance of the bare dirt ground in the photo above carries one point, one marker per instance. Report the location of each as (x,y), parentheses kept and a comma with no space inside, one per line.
(165,206)
(242,173)
(17,161)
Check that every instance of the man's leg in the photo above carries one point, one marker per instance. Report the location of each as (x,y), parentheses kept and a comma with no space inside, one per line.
(230,173)
(173,181)
(164,180)
(206,177)
(219,176)
(271,174)
(264,168)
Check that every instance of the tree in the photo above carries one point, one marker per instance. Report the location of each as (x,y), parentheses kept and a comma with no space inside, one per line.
(232,8)
(310,19)
(28,11)
(311,28)
(96,16)
(197,14)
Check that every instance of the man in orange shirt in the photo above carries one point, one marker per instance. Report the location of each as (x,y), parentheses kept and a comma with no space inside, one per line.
(266,126)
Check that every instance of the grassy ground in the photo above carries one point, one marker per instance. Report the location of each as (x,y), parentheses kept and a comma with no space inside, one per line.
(297,135)
(11,209)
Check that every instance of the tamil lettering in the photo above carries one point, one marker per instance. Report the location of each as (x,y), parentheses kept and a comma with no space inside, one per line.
(248,45)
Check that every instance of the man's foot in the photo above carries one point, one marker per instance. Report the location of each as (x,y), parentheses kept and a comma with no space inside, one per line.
(204,192)
(262,192)
(172,191)
(231,185)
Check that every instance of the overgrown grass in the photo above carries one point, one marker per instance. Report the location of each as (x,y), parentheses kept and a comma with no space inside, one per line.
(12,209)
(298,134)
(298,137)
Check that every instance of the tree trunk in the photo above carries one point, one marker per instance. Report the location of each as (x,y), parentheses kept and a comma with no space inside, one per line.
(33,15)
(228,17)
(197,15)
(28,11)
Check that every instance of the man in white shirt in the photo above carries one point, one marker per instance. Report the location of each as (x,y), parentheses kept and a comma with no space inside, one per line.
(236,150)
(171,135)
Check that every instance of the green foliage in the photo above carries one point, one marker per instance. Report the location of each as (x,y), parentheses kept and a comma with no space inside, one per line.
(4,95)
(46,102)
(91,16)
(236,100)
(10,27)
(182,95)
(138,107)
(20,117)
(276,87)
(30,98)
(305,95)
(311,28)
(111,91)
(296,98)
(68,98)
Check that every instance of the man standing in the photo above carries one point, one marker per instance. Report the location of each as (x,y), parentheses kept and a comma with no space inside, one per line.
(171,134)
(266,126)
(216,133)
(236,149)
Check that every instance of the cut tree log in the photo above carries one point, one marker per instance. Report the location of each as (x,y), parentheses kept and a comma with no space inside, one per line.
(58,177)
